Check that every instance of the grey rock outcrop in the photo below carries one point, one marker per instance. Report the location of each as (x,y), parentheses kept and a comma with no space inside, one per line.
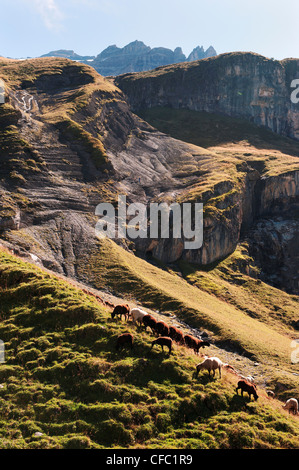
(10,222)
(199,53)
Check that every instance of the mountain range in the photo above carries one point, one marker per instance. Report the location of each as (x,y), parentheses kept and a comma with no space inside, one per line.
(134,57)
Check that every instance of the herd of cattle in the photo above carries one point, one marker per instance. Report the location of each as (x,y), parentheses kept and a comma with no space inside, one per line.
(167,334)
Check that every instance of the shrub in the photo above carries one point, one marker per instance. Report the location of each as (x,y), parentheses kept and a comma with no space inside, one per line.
(28,355)
(163,422)
(78,442)
(28,428)
(9,370)
(145,432)
(241,436)
(89,333)
(113,432)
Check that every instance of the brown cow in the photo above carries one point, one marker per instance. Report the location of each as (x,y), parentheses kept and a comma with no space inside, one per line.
(190,341)
(121,310)
(123,340)
(149,320)
(161,328)
(163,341)
(199,343)
(247,387)
(176,334)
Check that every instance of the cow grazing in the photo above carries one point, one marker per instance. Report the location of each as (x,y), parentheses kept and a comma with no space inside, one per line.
(291,405)
(248,387)
(149,320)
(211,364)
(121,310)
(161,328)
(137,315)
(176,334)
(199,343)
(163,341)
(126,339)
(195,343)
(190,341)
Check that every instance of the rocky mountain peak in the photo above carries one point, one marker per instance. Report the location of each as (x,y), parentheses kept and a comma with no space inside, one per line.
(196,54)
(210,52)
(136,47)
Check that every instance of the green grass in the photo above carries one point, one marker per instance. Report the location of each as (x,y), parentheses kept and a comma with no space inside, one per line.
(230,321)
(63,378)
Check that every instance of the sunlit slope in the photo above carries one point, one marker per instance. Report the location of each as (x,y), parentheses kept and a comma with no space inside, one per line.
(135,278)
(63,385)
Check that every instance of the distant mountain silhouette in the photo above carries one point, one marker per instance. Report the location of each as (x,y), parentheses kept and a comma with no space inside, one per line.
(68,55)
(134,57)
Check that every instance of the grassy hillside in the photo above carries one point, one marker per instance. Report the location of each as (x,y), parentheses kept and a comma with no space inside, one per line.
(62,378)
(257,332)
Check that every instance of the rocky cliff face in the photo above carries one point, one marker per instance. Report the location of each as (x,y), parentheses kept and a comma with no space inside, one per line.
(261,210)
(69,141)
(274,245)
(256,89)
(243,85)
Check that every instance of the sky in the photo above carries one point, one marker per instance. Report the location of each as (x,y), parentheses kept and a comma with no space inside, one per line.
(30,28)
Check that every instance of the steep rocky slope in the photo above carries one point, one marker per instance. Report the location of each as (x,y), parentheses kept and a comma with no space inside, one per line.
(262,208)
(261,180)
(70,141)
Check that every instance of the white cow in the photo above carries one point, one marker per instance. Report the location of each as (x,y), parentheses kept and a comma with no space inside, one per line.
(137,315)
(292,405)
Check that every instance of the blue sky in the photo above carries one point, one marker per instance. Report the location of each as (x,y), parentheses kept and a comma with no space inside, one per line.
(34,27)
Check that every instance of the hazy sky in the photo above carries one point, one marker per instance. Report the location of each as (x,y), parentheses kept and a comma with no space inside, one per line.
(34,27)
